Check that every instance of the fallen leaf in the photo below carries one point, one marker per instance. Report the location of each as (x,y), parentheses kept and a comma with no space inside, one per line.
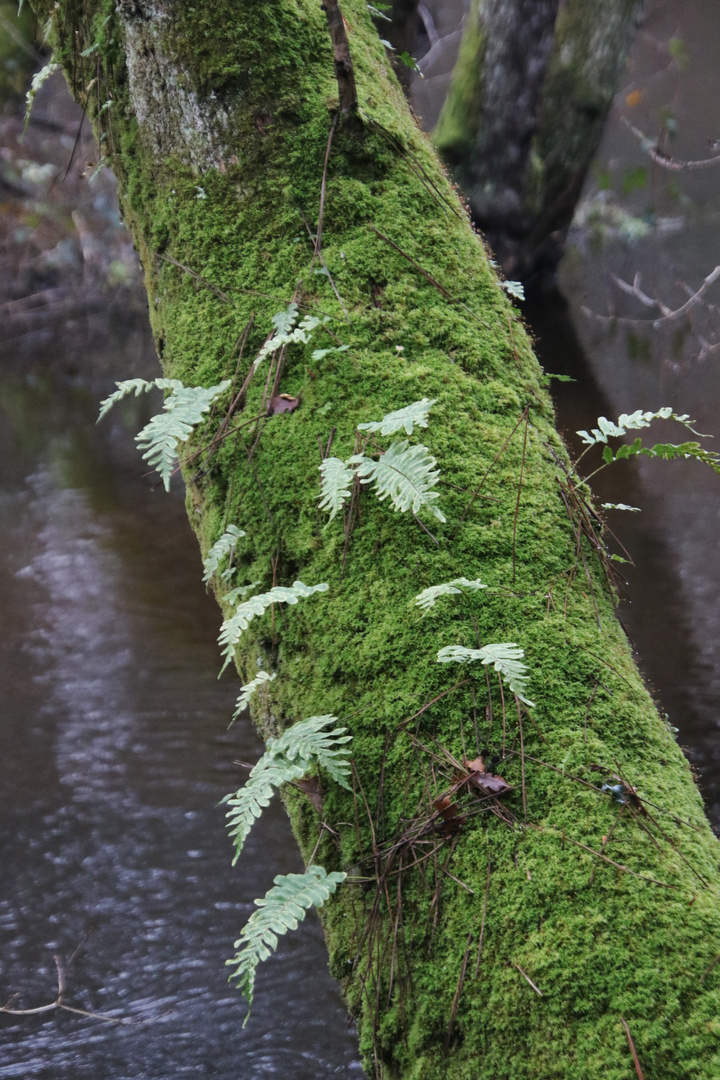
(282,403)
(476,765)
(311,787)
(449,813)
(483,779)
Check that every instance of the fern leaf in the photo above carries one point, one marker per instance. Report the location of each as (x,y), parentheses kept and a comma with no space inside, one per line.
(309,743)
(287,333)
(282,908)
(335,486)
(223,547)
(631,422)
(247,691)
(404,474)
(505,657)
(136,387)
(287,758)
(232,628)
(38,79)
(247,804)
(426,599)
(181,412)
(240,591)
(406,419)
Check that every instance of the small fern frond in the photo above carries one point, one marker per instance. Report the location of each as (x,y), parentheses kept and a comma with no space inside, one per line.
(335,486)
(181,412)
(232,628)
(404,474)
(247,804)
(282,908)
(406,419)
(247,691)
(287,333)
(136,387)
(38,79)
(505,657)
(287,758)
(664,451)
(223,547)
(309,743)
(426,599)
(240,591)
(631,422)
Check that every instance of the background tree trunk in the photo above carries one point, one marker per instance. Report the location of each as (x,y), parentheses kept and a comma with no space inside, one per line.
(505,949)
(525,113)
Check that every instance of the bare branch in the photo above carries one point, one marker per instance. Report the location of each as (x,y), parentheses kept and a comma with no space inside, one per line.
(651,147)
(667,314)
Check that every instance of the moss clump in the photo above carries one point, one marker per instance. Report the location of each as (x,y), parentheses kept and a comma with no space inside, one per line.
(224,248)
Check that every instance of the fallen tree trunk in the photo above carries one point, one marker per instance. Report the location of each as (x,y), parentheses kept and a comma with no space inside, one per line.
(525,921)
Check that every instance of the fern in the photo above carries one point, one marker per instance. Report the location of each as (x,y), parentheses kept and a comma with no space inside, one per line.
(335,485)
(426,599)
(630,422)
(309,743)
(136,387)
(182,410)
(287,332)
(38,79)
(664,451)
(404,474)
(232,628)
(415,415)
(282,908)
(620,506)
(223,547)
(505,658)
(239,592)
(287,758)
(247,691)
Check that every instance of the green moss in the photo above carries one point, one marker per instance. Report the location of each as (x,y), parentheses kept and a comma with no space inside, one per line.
(616,945)
(461,115)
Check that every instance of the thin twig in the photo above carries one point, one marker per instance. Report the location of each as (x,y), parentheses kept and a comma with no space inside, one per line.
(631,1044)
(342,61)
(527,978)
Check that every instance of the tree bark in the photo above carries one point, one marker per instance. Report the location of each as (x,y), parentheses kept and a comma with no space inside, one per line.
(499,946)
(525,114)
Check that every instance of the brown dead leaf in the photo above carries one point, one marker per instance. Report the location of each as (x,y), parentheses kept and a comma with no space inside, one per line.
(449,813)
(282,403)
(476,765)
(311,787)
(484,780)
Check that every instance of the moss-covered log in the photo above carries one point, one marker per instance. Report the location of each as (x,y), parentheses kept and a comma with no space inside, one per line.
(525,114)
(519,941)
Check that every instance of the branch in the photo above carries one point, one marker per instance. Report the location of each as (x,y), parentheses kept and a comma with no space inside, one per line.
(667,315)
(661,158)
(342,61)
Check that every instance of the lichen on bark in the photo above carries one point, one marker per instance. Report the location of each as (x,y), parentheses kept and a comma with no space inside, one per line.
(427,318)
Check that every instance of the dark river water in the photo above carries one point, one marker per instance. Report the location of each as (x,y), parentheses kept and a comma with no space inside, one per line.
(114,748)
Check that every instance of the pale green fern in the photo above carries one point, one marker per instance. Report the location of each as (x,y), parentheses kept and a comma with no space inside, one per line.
(426,599)
(289,332)
(405,419)
(247,691)
(221,549)
(182,410)
(335,485)
(232,628)
(631,422)
(404,474)
(505,657)
(287,758)
(282,908)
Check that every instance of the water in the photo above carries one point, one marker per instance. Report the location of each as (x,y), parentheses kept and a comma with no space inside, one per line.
(114,749)
(115,754)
